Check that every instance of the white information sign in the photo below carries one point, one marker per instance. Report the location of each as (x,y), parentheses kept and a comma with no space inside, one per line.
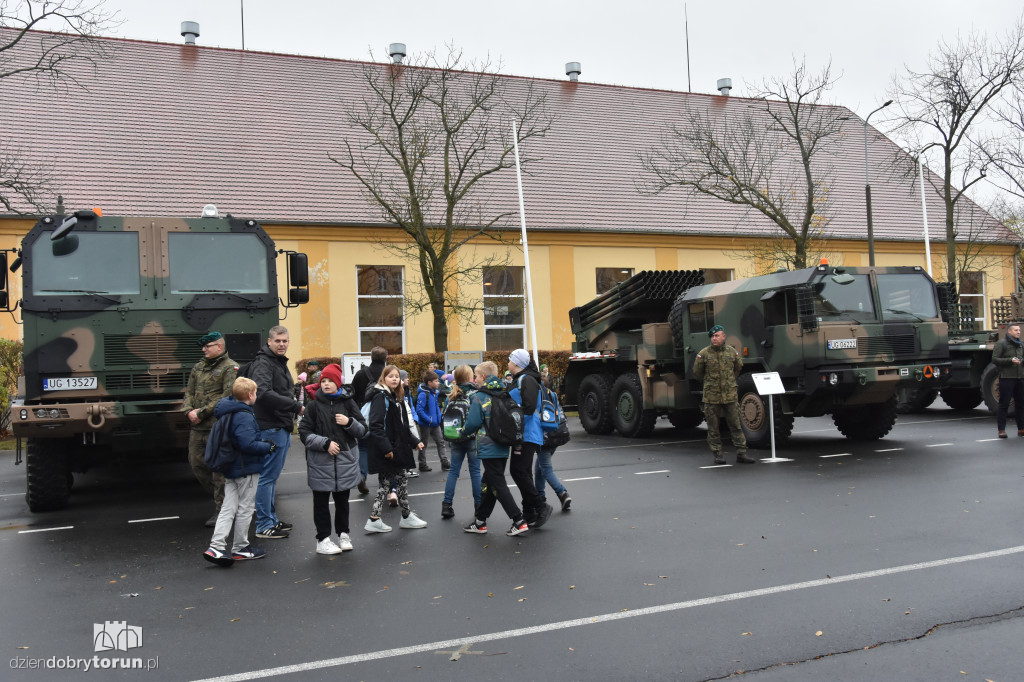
(454,358)
(352,363)
(768,383)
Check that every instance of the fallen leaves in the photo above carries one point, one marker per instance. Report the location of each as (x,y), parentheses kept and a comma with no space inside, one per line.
(746,634)
(819,633)
(519,588)
(235,620)
(522,599)
(300,581)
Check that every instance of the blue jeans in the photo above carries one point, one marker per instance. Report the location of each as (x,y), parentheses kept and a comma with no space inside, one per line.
(364,468)
(457,453)
(543,472)
(266,512)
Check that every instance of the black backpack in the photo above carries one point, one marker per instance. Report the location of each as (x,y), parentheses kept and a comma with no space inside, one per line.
(505,425)
(221,454)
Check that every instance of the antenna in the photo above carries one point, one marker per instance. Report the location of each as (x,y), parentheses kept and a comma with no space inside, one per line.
(686,25)
(242,3)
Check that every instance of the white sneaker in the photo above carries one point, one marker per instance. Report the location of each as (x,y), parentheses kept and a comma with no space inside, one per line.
(411,473)
(412,521)
(377,526)
(327,546)
(344,542)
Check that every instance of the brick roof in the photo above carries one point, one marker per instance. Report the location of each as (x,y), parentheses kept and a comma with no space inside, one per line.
(162,129)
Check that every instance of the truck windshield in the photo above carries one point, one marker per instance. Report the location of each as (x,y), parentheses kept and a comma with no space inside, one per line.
(102,263)
(217,261)
(851,300)
(906,295)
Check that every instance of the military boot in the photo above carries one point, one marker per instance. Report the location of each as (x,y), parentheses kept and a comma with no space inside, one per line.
(741,458)
(718,458)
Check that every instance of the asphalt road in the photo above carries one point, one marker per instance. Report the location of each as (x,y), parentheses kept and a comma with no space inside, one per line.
(896,559)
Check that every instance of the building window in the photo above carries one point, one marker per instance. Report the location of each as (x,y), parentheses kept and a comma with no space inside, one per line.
(504,308)
(716,275)
(609,277)
(972,290)
(380,308)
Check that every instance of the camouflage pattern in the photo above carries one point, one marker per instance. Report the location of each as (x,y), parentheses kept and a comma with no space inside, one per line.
(713,413)
(209,381)
(717,367)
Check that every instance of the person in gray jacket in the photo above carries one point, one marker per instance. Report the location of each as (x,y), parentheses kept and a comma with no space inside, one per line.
(330,430)
(1008,356)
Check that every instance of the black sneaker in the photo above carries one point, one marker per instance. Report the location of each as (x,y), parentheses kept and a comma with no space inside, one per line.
(284,525)
(542,516)
(219,557)
(424,468)
(565,500)
(518,527)
(447,511)
(248,552)
(476,527)
(273,533)
(445,465)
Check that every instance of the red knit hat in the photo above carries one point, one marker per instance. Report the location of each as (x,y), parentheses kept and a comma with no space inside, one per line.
(332,372)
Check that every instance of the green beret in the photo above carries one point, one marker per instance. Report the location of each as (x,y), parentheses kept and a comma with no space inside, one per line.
(716,328)
(209,338)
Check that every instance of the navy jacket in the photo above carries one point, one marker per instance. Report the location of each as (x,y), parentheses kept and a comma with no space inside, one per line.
(246,437)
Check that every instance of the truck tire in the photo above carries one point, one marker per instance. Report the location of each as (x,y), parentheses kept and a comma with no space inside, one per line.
(627,408)
(990,390)
(676,317)
(867,422)
(962,399)
(754,417)
(593,403)
(914,400)
(48,475)
(685,419)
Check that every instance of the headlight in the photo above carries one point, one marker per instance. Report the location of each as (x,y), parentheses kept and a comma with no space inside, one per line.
(41,413)
(54,413)
(24,414)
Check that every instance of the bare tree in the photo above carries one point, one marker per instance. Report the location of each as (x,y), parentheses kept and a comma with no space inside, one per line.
(947,107)
(430,134)
(48,40)
(1007,151)
(773,156)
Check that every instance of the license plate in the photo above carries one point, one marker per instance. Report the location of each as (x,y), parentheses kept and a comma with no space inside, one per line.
(837,344)
(69,383)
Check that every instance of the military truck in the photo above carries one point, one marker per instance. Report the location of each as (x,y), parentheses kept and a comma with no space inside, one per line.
(111,311)
(843,340)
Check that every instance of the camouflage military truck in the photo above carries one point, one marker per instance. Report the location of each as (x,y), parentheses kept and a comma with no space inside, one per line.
(843,340)
(111,311)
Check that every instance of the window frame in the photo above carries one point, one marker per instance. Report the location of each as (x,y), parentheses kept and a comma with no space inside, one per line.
(360,329)
(485,296)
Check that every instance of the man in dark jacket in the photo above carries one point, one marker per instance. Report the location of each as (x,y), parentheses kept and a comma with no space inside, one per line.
(275,408)
(364,379)
(1008,356)
(525,389)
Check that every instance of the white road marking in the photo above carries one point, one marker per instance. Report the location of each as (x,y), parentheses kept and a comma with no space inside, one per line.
(937,445)
(585,478)
(644,473)
(987,440)
(889,450)
(452,644)
(12,495)
(158,518)
(841,454)
(45,530)
(716,466)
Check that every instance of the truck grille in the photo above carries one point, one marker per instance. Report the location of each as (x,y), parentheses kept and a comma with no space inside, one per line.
(154,349)
(889,345)
(131,381)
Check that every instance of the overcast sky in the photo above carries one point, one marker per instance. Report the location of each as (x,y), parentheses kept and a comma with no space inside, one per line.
(637,43)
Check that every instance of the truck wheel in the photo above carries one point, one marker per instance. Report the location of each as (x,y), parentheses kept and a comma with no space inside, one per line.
(628,414)
(962,399)
(685,419)
(594,407)
(866,422)
(990,390)
(47,473)
(914,400)
(754,417)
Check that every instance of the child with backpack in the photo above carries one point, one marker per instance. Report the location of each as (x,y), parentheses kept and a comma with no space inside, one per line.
(493,455)
(236,445)
(330,430)
(389,446)
(428,416)
(542,469)
(463,447)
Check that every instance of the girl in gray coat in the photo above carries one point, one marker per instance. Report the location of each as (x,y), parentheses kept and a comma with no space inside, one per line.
(330,430)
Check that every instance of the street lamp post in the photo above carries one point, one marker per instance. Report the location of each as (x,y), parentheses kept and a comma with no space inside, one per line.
(867,187)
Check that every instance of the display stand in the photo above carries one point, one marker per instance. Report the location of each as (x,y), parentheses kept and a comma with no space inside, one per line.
(769,384)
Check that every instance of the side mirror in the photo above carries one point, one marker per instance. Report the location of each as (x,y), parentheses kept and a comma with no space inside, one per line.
(66,246)
(3,271)
(298,296)
(298,269)
(3,300)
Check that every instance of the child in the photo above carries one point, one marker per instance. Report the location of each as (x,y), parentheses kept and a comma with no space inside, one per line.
(464,388)
(428,416)
(389,446)
(330,430)
(240,481)
(542,469)
(493,456)
(410,413)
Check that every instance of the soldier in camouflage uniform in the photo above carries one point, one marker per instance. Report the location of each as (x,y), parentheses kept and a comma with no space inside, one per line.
(211,379)
(717,366)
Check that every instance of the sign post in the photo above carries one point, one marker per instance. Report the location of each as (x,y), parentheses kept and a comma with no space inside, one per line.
(769,384)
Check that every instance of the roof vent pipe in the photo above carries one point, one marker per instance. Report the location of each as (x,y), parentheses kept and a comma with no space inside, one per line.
(724,86)
(190,29)
(397,52)
(573,70)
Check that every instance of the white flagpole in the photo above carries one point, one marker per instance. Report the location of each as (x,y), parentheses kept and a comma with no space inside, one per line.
(526,250)
(924,215)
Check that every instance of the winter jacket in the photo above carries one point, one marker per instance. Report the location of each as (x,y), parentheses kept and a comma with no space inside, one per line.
(365,379)
(476,422)
(276,405)
(410,413)
(389,432)
(428,407)
(208,382)
(326,472)
(246,437)
(526,392)
(1002,357)
(718,367)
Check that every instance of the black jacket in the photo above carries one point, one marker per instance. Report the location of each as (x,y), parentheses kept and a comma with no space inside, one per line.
(276,405)
(361,382)
(326,472)
(389,432)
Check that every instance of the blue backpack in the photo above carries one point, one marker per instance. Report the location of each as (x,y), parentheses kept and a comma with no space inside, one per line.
(221,454)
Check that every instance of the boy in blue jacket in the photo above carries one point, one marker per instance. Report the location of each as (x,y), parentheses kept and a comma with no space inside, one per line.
(241,480)
(428,416)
